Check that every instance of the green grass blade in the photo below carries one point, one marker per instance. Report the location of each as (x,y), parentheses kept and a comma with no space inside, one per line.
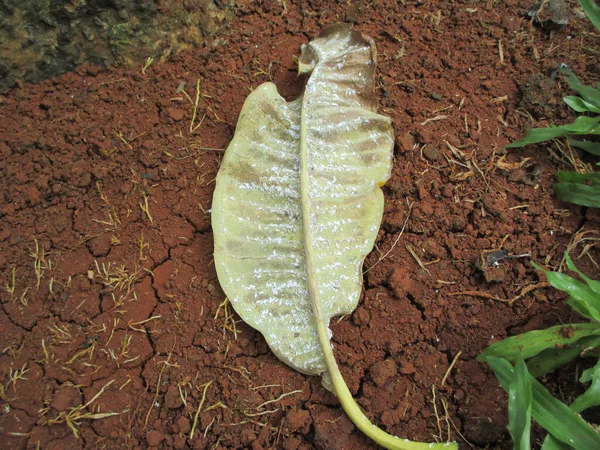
(580,105)
(579,292)
(586,375)
(550,413)
(583,178)
(580,307)
(581,125)
(588,399)
(591,397)
(589,146)
(593,284)
(537,135)
(551,443)
(550,359)
(579,194)
(529,344)
(592,11)
(589,94)
(519,406)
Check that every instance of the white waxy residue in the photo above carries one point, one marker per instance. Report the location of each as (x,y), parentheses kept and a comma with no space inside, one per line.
(345,149)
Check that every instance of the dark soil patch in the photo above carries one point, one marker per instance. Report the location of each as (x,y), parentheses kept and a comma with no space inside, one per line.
(106,245)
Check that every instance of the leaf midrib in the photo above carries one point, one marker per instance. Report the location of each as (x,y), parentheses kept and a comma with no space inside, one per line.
(313,290)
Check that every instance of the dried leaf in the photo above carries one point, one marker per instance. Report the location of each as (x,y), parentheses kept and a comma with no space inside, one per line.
(298,204)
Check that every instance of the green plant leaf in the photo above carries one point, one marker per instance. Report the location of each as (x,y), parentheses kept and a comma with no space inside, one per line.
(579,194)
(519,406)
(593,284)
(592,147)
(581,125)
(526,345)
(580,105)
(579,293)
(592,10)
(589,94)
(553,415)
(582,178)
(298,204)
(591,397)
(551,443)
(549,360)
(586,375)
(580,307)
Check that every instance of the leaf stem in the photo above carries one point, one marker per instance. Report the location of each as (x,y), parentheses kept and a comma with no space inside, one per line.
(341,389)
(353,410)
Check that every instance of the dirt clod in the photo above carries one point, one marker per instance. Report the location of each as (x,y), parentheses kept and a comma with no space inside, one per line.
(407,368)
(176,114)
(65,397)
(154,438)
(431,152)
(401,282)
(298,419)
(539,96)
(382,371)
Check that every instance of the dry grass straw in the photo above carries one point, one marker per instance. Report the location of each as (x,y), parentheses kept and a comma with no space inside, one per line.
(204,388)
(41,262)
(439,421)
(564,152)
(112,221)
(524,291)
(165,364)
(443,383)
(229,322)
(385,255)
(588,239)
(73,416)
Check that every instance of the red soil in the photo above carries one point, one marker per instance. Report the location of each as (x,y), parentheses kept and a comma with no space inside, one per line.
(106,188)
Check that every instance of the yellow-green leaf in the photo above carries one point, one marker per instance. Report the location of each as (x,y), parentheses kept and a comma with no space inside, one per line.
(298,204)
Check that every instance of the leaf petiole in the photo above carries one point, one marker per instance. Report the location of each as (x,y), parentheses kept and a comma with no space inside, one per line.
(354,412)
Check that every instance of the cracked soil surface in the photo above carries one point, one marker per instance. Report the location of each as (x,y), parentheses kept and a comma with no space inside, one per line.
(113,328)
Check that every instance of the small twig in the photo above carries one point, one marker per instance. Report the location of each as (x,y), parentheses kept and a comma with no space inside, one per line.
(381,258)
(278,398)
(435,412)
(265,386)
(450,368)
(145,207)
(195,113)
(195,424)
(210,149)
(446,418)
(133,325)
(524,291)
(412,251)
(479,294)
(434,119)
(262,413)
(209,425)
(160,373)
(527,289)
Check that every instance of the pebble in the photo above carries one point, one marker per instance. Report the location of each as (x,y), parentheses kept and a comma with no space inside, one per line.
(405,142)
(361,317)
(176,114)
(431,153)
